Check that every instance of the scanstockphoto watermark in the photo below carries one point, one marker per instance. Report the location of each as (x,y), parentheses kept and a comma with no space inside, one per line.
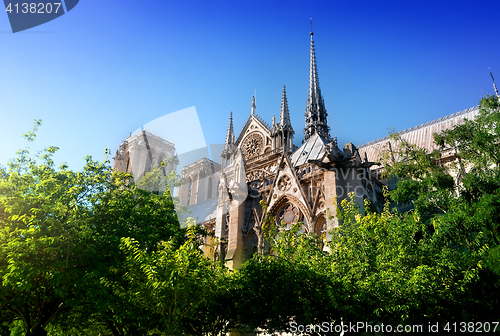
(350,327)
(364,327)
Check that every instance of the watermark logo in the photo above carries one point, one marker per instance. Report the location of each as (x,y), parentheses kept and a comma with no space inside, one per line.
(24,14)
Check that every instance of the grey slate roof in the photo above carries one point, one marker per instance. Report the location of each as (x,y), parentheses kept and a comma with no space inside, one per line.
(312,149)
(420,135)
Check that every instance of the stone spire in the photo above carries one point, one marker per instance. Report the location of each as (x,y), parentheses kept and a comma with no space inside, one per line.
(230,132)
(315,109)
(282,132)
(228,150)
(284,114)
(253,105)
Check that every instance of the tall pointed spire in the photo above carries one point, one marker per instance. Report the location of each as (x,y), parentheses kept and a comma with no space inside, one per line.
(228,150)
(315,109)
(230,132)
(253,105)
(284,114)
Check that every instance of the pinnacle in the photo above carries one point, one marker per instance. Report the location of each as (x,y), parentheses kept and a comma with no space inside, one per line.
(230,132)
(284,113)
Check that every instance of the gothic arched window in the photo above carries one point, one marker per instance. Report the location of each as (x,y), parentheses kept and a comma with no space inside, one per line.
(320,227)
(287,215)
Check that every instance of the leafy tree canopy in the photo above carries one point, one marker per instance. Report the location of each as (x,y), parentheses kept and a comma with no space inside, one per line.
(60,233)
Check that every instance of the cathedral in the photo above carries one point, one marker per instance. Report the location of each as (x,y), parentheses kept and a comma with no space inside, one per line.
(298,184)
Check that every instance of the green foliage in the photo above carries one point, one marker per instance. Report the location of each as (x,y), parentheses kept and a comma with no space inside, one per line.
(155,180)
(177,286)
(395,270)
(290,284)
(422,180)
(92,253)
(459,203)
(271,292)
(60,233)
(477,143)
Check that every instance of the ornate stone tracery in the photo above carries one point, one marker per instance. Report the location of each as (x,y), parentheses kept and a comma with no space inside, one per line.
(287,215)
(271,169)
(254,175)
(253,145)
(259,174)
(284,183)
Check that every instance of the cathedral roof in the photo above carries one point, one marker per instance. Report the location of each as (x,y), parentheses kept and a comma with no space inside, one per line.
(421,135)
(312,149)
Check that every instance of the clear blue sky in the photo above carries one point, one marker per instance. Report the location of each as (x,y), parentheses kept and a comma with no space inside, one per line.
(109,67)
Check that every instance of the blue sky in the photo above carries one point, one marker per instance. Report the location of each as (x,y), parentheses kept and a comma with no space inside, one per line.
(109,67)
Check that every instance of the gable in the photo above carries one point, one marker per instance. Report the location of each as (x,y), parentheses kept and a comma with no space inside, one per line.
(254,124)
(286,185)
(255,138)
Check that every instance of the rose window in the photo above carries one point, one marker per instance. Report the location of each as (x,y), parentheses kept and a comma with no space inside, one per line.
(288,215)
(252,146)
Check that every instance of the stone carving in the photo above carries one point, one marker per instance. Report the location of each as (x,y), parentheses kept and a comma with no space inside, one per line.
(260,174)
(284,183)
(222,192)
(288,215)
(255,175)
(271,169)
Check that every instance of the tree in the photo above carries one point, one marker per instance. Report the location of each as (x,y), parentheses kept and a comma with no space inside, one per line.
(292,284)
(421,179)
(395,271)
(476,142)
(183,290)
(60,233)
(458,202)
(431,185)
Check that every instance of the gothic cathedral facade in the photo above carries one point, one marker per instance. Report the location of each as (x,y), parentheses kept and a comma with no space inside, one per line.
(298,184)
